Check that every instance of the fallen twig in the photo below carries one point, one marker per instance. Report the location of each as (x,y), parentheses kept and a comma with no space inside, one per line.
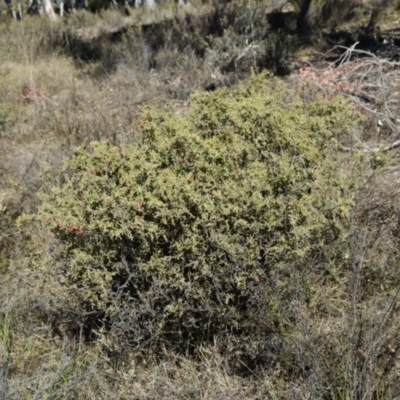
(393,146)
(373,83)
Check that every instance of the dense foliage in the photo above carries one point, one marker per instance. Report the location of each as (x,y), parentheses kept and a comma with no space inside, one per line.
(175,238)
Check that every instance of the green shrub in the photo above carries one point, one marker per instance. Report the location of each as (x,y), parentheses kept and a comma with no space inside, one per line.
(177,238)
(5,117)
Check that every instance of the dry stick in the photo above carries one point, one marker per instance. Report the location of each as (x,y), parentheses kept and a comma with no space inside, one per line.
(393,146)
(372,62)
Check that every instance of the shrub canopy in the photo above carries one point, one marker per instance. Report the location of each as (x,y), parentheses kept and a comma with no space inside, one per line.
(176,237)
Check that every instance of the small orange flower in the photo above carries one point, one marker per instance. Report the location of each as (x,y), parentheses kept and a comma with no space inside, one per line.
(80,231)
(71,228)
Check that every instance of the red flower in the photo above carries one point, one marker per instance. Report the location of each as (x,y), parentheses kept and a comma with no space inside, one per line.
(80,231)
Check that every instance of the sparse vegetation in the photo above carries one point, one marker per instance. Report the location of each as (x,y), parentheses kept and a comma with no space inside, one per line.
(173,226)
